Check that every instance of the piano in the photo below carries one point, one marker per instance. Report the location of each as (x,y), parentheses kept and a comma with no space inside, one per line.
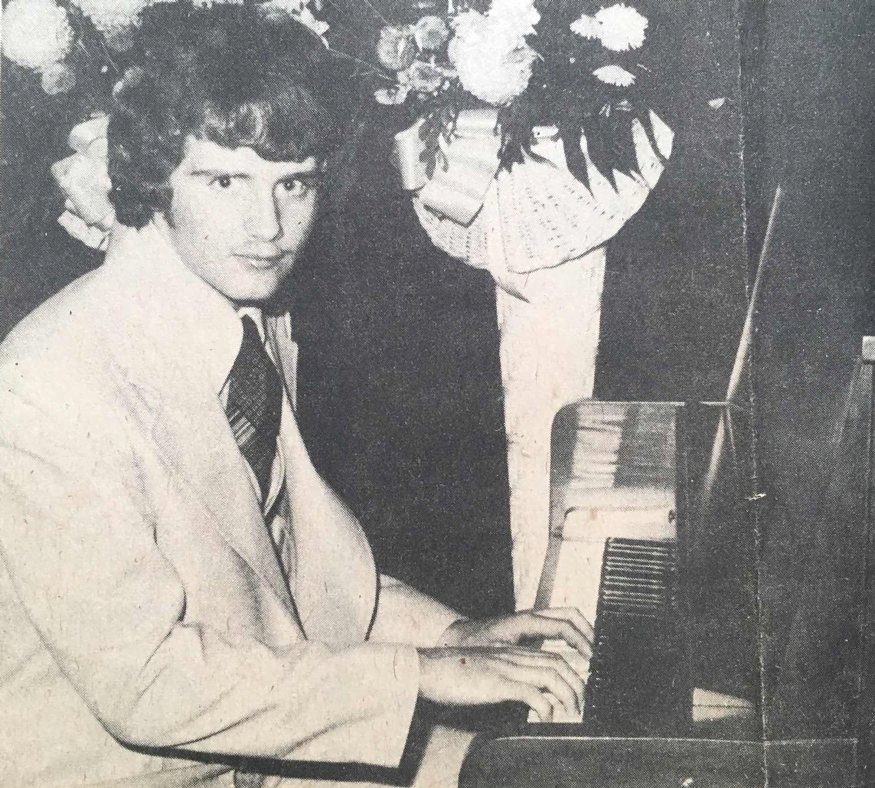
(626,548)
(653,534)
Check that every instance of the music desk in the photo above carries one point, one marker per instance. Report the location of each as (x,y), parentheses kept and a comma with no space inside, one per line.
(591,762)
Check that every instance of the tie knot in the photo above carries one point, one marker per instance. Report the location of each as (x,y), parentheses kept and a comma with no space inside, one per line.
(251,334)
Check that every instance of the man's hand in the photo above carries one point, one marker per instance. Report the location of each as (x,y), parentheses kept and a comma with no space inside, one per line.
(566,624)
(482,662)
(473,676)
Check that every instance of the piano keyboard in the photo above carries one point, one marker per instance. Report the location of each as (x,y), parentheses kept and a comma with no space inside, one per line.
(636,683)
(612,520)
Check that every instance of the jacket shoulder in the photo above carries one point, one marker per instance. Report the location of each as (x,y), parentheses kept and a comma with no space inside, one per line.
(61,339)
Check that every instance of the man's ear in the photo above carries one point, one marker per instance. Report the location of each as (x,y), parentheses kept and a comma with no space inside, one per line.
(160,200)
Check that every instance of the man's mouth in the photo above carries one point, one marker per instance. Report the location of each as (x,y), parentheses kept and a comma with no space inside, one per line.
(261,261)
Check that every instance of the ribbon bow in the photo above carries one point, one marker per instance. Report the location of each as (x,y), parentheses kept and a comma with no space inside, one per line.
(457,189)
(84,180)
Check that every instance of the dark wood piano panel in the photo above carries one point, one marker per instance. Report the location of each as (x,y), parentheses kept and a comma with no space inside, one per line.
(581,762)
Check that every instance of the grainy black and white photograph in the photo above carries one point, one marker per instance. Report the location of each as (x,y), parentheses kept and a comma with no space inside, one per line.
(437,394)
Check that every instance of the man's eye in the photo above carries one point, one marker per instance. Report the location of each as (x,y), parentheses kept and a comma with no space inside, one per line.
(223,182)
(298,187)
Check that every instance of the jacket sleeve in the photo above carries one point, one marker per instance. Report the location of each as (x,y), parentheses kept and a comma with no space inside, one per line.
(405,615)
(77,538)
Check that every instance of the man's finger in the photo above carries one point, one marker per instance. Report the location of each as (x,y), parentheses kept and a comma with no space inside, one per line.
(542,660)
(538,625)
(548,677)
(573,615)
(571,634)
(537,701)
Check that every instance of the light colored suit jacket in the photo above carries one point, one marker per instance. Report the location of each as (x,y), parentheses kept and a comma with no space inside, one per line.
(141,601)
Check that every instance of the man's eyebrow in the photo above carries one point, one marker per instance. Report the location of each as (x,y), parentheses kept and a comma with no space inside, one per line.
(315,172)
(215,173)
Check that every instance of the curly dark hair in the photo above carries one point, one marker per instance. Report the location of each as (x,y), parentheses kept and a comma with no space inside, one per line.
(228,74)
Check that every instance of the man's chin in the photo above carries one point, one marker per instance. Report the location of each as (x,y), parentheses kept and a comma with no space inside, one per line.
(255,293)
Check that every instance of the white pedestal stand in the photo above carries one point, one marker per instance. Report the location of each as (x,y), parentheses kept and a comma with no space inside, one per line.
(548,353)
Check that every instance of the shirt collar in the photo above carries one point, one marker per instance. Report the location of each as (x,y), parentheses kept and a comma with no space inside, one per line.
(183,315)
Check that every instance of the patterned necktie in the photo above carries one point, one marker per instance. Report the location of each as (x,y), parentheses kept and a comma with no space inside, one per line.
(254,405)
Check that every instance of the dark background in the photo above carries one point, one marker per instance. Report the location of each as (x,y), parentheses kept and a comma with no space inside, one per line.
(400,392)
(812,120)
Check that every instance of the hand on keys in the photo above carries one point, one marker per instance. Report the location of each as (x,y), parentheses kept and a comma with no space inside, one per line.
(484,661)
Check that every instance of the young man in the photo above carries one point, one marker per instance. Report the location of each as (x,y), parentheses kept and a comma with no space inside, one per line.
(177,581)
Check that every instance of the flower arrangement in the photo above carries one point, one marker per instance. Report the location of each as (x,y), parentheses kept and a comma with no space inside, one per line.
(72,43)
(489,80)
(44,53)
(567,64)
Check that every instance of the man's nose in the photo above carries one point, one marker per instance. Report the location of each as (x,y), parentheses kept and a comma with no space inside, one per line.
(263,220)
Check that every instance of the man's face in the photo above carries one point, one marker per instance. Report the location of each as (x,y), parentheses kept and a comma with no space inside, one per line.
(238,221)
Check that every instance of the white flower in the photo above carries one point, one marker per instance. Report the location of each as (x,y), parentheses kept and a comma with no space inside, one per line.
(618,27)
(431,32)
(518,17)
(113,17)
(587,27)
(473,29)
(615,75)
(622,27)
(36,33)
(469,24)
(493,64)
(57,78)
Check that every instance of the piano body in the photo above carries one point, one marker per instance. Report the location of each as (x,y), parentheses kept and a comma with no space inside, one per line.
(660,551)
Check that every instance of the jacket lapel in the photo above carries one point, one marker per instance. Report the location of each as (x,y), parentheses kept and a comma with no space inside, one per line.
(182,335)
(193,438)
(335,578)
